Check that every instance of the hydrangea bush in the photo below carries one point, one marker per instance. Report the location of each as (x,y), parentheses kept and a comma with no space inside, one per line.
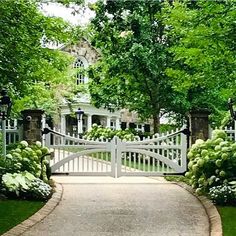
(24,172)
(99,132)
(212,163)
(27,158)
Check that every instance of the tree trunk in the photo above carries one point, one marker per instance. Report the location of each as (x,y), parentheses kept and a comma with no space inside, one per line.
(156,123)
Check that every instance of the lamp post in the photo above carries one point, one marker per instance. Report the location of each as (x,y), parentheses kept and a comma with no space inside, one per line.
(79,114)
(5,106)
(232,112)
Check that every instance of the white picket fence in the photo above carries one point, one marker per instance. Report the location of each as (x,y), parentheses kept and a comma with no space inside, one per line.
(13,132)
(229,129)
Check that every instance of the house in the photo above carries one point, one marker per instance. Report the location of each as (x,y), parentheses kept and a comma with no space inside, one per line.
(86,55)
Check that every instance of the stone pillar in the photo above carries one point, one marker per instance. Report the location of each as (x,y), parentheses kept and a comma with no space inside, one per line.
(108,122)
(117,123)
(199,125)
(32,125)
(89,121)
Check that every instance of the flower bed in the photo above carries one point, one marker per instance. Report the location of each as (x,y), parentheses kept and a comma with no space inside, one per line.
(24,172)
(212,168)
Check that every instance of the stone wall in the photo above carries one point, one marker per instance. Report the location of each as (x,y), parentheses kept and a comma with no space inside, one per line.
(84,49)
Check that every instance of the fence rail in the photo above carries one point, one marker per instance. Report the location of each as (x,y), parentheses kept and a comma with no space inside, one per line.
(231,131)
(13,132)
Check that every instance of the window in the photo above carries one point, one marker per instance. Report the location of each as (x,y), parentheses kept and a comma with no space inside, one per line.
(79,76)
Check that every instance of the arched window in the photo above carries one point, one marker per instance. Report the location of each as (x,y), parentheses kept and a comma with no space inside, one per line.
(79,76)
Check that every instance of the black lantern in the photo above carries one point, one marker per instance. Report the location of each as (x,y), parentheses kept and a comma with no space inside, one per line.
(79,114)
(5,105)
(232,112)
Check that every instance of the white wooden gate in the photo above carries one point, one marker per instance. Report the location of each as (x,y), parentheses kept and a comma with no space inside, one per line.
(159,155)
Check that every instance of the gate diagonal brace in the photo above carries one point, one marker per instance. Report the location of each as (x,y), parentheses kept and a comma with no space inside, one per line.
(184,131)
(47,131)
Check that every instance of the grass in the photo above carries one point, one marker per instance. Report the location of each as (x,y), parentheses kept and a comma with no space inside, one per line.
(228,218)
(179,178)
(13,212)
(137,164)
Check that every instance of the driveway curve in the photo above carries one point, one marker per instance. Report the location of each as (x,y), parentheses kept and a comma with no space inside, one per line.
(127,206)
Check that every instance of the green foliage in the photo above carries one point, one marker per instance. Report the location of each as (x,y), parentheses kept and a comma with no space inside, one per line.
(27,158)
(39,190)
(135,56)
(27,67)
(211,163)
(167,127)
(163,56)
(1,142)
(25,185)
(203,37)
(222,194)
(22,169)
(17,182)
(99,132)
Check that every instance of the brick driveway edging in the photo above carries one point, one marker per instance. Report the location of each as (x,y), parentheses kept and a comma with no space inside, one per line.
(212,213)
(39,215)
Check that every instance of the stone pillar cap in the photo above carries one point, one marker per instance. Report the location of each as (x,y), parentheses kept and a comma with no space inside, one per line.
(202,111)
(30,111)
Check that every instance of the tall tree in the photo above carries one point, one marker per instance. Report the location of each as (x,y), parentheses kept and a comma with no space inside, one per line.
(132,71)
(28,68)
(206,41)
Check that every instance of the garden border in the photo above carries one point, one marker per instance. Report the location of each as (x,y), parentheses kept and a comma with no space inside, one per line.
(39,215)
(211,211)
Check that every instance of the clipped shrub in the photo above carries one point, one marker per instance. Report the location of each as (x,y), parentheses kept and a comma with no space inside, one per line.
(211,163)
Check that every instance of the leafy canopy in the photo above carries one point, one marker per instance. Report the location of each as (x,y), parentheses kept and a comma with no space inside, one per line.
(31,71)
(205,50)
(135,56)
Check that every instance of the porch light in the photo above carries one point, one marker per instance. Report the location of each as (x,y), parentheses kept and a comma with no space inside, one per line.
(79,114)
(232,112)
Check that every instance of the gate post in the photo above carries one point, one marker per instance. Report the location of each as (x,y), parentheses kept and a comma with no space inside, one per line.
(113,156)
(119,149)
(32,125)
(199,125)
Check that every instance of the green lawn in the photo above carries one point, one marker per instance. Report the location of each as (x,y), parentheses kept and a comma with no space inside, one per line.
(228,218)
(13,212)
(137,164)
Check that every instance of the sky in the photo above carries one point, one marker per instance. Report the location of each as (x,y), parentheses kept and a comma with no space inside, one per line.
(55,9)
